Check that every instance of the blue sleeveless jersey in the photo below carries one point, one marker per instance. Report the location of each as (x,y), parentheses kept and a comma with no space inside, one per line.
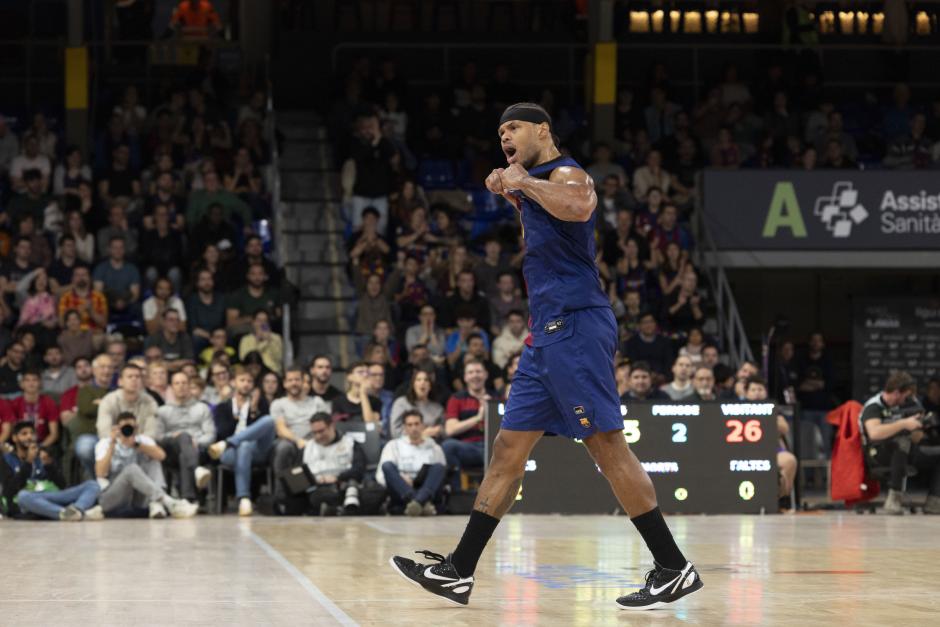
(560,272)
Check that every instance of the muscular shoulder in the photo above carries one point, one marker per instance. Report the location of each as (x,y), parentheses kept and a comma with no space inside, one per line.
(570,174)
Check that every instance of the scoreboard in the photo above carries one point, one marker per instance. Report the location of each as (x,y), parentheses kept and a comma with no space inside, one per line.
(712,458)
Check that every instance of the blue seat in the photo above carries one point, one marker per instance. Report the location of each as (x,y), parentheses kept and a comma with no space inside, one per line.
(436,174)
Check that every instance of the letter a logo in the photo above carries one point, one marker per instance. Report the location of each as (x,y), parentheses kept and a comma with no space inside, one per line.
(784,212)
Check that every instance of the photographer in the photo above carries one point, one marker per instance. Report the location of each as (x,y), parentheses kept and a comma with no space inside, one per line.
(127,465)
(338,464)
(894,426)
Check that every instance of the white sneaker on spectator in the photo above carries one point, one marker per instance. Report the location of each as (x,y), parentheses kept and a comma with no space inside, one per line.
(94,513)
(216,450)
(244,507)
(70,514)
(157,510)
(429,509)
(203,476)
(181,508)
(413,508)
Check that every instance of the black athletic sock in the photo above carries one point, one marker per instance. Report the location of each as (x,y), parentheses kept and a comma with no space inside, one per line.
(659,539)
(479,529)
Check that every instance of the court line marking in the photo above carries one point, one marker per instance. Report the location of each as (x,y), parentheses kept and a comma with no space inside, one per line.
(341,617)
(379,527)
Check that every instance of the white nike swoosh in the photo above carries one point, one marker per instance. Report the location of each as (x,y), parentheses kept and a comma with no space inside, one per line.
(430,575)
(656,591)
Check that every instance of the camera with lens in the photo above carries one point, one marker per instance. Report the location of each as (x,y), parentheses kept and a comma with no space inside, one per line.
(127,430)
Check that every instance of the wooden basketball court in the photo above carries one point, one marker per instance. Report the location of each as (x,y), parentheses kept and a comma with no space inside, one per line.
(539,570)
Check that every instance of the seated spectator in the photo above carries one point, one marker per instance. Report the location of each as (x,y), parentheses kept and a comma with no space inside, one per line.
(38,311)
(603,166)
(120,181)
(369,252)
(710,356)
(127,464)
(75,226)
(512,338)
(724,382)
(321,372)
(726,154)
(630,312)
(466,297)
(261,339)
(693,347)
(455,346)
(82,428)
(254,253)
(491,267)
(506,298)
(200,200)
(56,377)
(68,400)
(174,343)
(60,271)
(118,279)
(12,367)
(463,424)
(383,337)
(338,464)
(33,202)
(648,346)
(16,272)
(835,131)
(445,273)
(242,304)
(746,370)
(409,292)
(129,397)
(756,392)
(668,231)
(377,389)
(32,484)
(680,388)
(75,342)
(683,306)
(184,430)
(836,159)
(245,432)
(641,385)
(162,249)
(427,333)
(158,303)
(243,178)
(214,229)
(476,349)
(40,252)
(913,150)
(611,200)
(418,398)
(622,376)
(413,467)
(291,415)
(118,226)
(704,383)
(29,160)
(220,388)
(357,405)
(650,176)
(205,310)
(164,193)
(37,409)
(373,305)
(271,388)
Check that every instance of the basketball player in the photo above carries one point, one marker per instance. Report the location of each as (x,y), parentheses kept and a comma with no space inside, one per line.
(565,382)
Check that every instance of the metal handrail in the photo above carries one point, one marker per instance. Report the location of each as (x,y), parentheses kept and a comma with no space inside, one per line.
(732,336)
(270,132)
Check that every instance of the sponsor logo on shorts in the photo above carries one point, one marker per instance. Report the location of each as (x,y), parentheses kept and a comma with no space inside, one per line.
(578,410)
(585,422)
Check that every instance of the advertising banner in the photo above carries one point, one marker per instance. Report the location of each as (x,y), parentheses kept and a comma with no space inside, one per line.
(825,210)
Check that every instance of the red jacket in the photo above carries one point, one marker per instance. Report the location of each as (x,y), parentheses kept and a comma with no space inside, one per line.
(850,480)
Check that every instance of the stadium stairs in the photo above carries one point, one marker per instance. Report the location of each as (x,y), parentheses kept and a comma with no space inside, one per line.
(311,227)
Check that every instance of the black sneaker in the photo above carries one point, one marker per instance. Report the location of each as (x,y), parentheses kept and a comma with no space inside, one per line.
(662,586)
(440,579)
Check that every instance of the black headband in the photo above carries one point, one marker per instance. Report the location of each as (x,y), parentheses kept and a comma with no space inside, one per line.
(525,114)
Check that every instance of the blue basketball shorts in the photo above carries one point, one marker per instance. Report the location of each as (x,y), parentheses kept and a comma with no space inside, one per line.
(565,383)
